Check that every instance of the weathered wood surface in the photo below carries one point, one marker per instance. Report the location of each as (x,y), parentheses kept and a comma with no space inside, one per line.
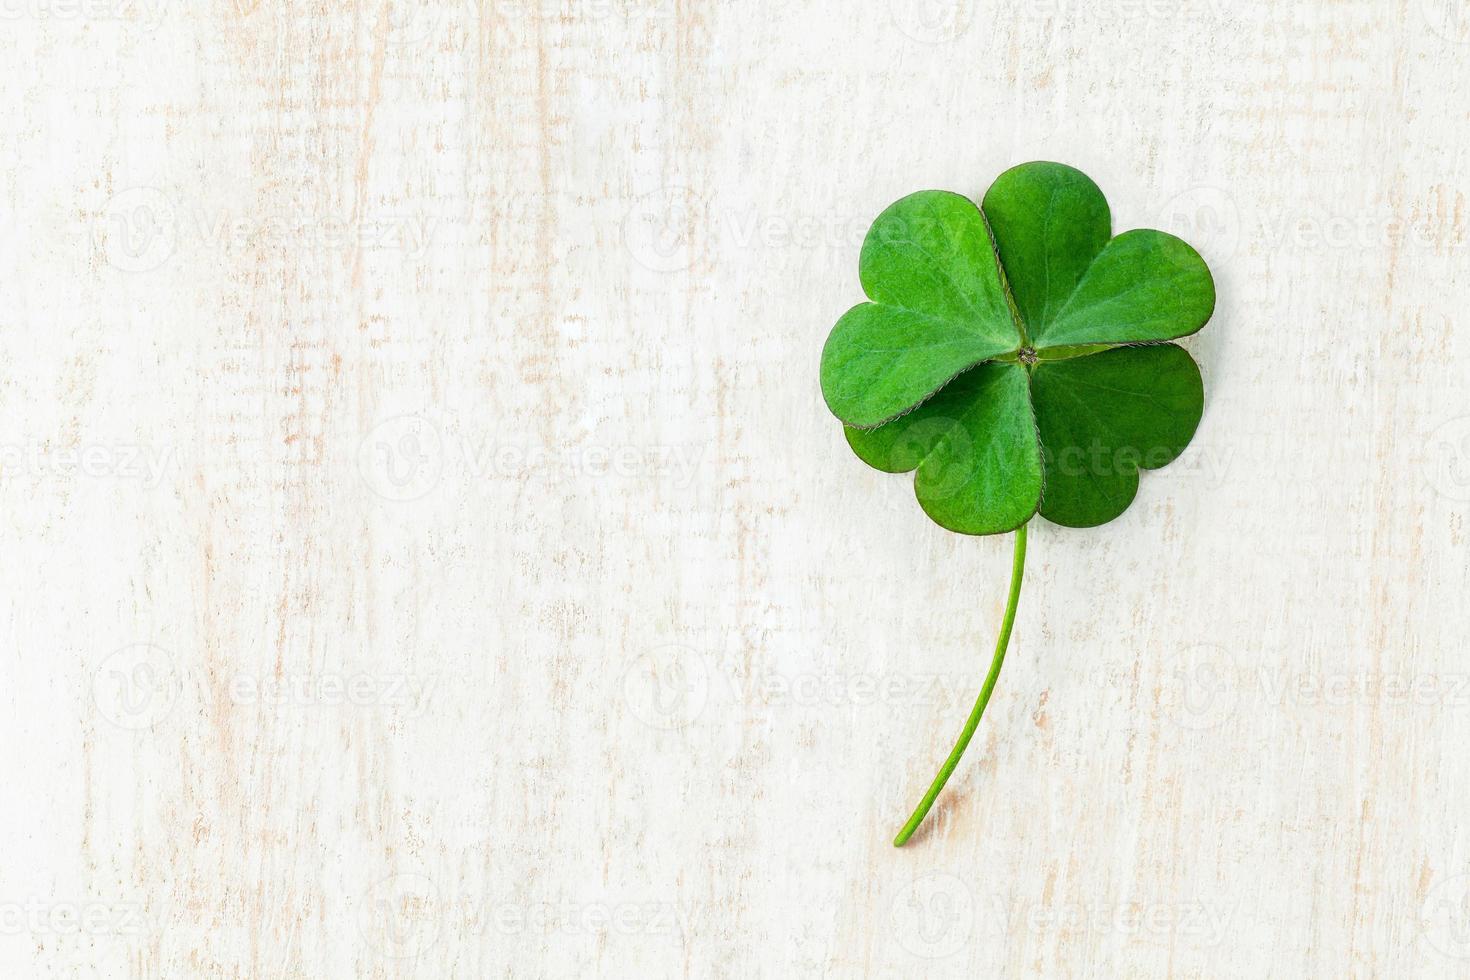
(426,553)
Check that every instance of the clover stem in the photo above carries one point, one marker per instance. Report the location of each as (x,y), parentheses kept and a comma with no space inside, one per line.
(1018,563)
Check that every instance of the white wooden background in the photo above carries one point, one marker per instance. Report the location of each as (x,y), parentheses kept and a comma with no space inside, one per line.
(426,553)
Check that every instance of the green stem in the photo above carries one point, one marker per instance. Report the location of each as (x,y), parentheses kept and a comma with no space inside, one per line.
(1018,562)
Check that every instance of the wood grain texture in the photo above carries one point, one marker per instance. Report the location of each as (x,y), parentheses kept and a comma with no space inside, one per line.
(426,552)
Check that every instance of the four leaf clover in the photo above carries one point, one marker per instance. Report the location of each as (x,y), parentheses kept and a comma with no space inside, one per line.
(1013,354)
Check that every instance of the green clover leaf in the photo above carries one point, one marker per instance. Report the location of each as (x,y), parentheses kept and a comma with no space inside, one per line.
(1015,356)
(938,307)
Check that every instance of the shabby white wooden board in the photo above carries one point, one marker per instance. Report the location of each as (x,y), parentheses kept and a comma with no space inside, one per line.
(426,552)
